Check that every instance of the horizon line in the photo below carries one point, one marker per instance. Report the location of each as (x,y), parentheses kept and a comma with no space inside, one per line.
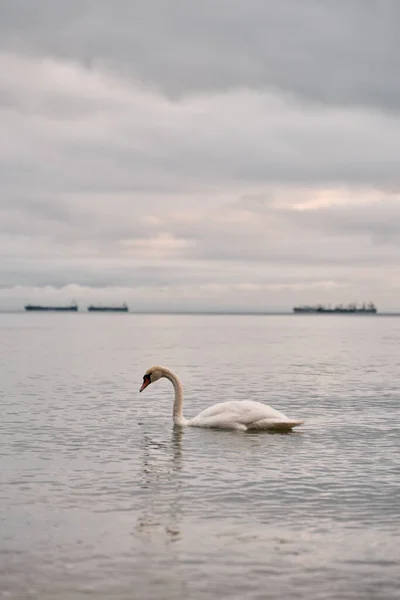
(206,312)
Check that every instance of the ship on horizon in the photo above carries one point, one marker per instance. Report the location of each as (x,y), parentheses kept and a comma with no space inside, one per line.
(339,309)
(38,307)
(122,308)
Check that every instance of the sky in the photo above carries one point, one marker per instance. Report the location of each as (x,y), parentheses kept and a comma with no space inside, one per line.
(215,155)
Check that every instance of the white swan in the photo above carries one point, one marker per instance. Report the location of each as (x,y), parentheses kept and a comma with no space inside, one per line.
(236,414)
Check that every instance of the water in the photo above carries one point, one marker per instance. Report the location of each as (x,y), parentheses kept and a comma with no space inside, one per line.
(101,498)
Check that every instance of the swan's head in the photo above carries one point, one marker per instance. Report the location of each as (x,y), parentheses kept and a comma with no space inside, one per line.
(151,375)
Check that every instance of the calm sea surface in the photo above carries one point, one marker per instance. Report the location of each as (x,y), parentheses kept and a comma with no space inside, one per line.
(101,498)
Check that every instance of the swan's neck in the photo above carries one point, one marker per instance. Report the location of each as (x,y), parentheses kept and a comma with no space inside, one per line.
(177,413)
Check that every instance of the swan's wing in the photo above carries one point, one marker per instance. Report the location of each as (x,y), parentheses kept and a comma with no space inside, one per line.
(237,412)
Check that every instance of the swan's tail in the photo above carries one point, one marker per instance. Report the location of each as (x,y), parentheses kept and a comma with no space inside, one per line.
(278,425)
(285,425)
(288,426)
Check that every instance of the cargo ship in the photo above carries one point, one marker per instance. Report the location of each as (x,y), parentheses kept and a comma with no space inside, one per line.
(364,309)
(38,307)
(122,308)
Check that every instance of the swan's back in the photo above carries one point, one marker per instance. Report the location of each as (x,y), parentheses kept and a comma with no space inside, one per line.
(243,414)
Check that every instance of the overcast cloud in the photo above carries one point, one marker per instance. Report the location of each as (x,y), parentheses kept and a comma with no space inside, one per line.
(237,154)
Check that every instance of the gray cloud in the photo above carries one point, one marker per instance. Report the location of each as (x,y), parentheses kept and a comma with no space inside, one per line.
(319,50)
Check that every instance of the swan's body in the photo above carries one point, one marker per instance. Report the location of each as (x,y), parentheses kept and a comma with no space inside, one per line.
(237,414)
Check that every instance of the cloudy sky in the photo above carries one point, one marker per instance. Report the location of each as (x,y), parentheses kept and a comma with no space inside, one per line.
(222,154)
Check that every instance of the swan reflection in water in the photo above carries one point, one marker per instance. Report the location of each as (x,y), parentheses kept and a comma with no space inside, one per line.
(161,487)
(159,524)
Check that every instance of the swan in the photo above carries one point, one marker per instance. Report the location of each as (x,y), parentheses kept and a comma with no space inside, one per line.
(241,415)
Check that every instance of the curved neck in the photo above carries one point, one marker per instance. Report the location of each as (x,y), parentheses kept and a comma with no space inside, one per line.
(177,413)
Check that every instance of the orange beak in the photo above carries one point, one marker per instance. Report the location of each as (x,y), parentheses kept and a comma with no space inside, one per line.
(145,383)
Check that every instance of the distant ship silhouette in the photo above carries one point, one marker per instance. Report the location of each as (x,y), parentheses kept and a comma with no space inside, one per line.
(71,307)
(340,309)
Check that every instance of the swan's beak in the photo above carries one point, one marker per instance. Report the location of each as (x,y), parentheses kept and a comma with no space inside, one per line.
(145,383)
